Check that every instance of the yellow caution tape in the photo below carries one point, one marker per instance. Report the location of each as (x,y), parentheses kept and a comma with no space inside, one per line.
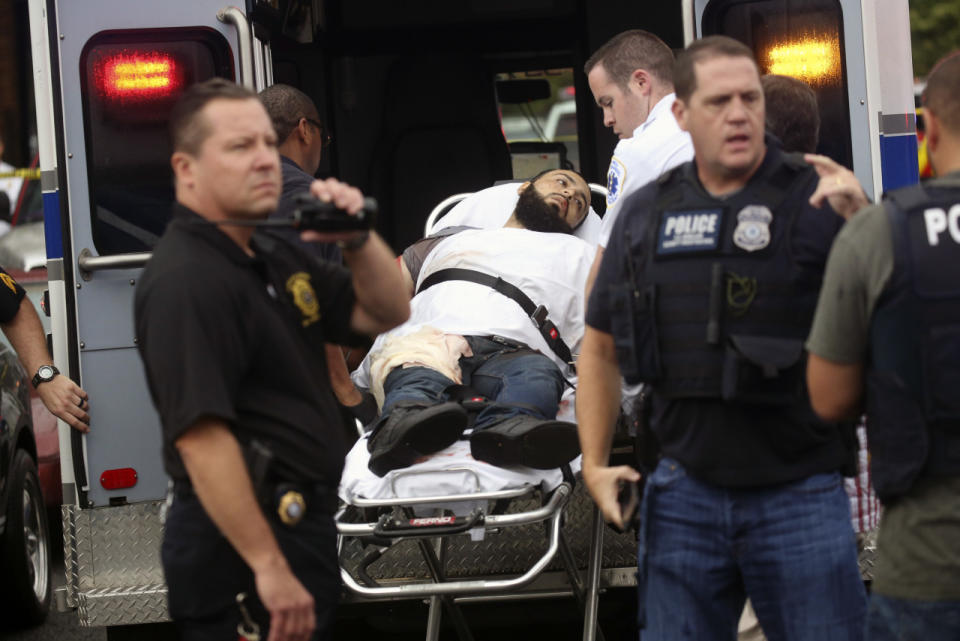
(28,174)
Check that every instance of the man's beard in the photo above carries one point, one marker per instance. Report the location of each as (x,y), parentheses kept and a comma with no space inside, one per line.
(536,214)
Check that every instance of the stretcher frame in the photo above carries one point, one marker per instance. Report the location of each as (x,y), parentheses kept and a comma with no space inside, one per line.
(441,593)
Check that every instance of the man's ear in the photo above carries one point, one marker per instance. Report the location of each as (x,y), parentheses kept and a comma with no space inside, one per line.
(640,81)
(182,164)
(680,113)
(522,188)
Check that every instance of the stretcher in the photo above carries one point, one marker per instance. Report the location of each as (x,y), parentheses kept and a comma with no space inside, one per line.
(453,530)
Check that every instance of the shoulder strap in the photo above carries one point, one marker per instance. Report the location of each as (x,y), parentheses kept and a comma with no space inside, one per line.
(908,198)
(537,313)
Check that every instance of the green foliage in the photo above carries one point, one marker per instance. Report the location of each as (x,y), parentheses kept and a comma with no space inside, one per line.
(934,31)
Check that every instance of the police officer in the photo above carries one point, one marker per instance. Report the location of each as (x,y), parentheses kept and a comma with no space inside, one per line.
(21,325)
(706,292)
(231,327)
(890,305)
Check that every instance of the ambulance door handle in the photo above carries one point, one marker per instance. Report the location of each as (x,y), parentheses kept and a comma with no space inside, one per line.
(89,263)
(236,17)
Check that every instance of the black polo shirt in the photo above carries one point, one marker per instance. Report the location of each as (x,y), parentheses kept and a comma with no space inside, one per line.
(730,444)
(226,335)
(10,296)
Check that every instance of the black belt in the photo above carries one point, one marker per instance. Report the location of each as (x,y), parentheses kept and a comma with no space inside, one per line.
(537,313)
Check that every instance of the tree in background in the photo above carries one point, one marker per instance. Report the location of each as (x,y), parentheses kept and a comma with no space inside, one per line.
(934,30)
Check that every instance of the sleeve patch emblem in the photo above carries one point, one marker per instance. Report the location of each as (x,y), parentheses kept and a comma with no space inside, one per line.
(616,176)
(300,289)
(9,282)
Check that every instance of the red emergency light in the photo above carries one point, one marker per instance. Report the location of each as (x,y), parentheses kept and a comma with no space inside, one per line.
(138,76)
(118,479)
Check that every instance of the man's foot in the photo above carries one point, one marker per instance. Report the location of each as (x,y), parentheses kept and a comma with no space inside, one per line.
(412,430)
(526,440)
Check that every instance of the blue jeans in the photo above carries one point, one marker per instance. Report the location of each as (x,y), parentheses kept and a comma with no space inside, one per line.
(891,619)
(790,547)
(517,381)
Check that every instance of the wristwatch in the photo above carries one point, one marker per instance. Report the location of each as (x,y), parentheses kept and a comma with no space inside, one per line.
(45,374)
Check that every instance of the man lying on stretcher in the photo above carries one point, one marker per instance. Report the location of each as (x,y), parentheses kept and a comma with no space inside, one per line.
(472,335)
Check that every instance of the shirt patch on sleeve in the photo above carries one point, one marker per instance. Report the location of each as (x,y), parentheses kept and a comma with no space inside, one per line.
(9,282)
(689,231)
(616,176)
(304,297)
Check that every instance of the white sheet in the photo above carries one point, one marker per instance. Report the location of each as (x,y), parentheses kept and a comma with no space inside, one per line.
(440,477)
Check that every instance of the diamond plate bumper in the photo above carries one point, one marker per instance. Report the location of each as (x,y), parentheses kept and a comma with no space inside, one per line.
(112,559)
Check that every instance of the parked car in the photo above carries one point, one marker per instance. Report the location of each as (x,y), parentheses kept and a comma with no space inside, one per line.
(24,531)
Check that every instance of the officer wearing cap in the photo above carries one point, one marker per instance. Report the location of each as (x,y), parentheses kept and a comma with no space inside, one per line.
(21,325)
(887,327)
(706,292)
(231,327)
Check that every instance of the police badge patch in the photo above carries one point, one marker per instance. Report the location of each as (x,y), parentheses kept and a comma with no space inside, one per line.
(615,177)
(753,228)
(304,297)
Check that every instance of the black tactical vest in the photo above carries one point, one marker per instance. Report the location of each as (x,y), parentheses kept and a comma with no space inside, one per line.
(913,385)
(720,305)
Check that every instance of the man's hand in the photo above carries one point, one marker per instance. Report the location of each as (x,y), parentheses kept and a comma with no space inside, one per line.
(603,484)
(67,401)
(343,196)
(288,602)
(838,185)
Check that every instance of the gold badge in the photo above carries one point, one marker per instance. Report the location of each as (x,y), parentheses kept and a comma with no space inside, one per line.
(304,297)
(292,507)
(8,281)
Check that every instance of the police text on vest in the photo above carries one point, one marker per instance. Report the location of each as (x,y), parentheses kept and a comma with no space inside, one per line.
(939,221)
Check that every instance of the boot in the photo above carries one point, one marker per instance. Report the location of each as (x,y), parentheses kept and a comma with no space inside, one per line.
(526,440)
(413,429)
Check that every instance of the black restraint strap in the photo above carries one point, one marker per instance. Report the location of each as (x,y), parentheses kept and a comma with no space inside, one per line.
(537,313)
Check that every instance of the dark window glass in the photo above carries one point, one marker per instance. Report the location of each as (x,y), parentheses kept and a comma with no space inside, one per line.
(131,81)
(799,38)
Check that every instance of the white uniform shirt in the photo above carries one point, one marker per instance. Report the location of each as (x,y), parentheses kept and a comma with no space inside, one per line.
(656,146)
(551,269)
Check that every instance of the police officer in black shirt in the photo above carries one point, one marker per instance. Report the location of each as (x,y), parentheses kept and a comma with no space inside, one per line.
(887,328)
(706,292)
(231,326)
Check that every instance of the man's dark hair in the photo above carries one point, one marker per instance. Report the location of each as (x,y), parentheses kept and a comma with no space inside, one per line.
(631,50)
(942,94)
(188,130)
(792,112)
(286,105)
(684,74)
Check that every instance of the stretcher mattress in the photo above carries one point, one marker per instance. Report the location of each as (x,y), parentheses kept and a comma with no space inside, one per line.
(448,472)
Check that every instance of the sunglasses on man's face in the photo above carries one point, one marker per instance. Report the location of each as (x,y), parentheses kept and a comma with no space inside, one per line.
(327,138)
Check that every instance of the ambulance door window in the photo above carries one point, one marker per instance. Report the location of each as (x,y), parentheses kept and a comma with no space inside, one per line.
(130,82)
(799,38)
(538,114)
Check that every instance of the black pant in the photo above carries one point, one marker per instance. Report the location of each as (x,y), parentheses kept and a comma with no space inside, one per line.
(204,573)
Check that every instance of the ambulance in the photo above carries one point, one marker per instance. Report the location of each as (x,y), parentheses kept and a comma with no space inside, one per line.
(414,95)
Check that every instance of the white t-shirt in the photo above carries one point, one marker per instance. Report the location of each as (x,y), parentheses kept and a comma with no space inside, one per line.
(490,208)
(656,146)
(551,269)
(10,185)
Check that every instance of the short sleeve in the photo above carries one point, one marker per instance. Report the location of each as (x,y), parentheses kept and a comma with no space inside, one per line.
(194,348)
(858,268)
(333,285)
(11,293)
